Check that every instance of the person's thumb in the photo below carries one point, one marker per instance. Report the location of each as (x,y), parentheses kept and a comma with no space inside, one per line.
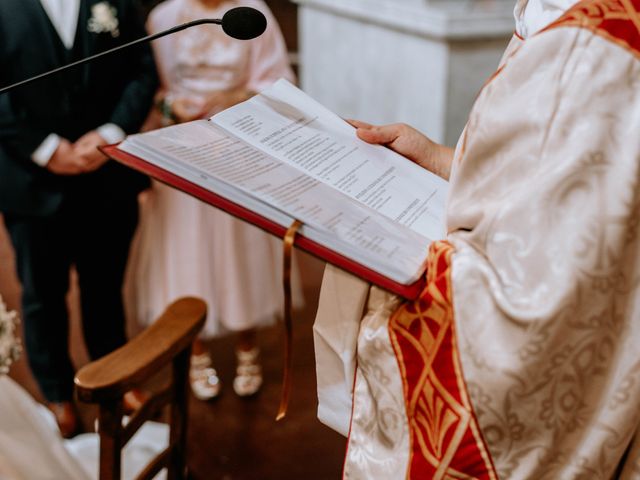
(358,123)
(378,135)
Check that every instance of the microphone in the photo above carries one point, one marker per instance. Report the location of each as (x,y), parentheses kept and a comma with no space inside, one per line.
(241,23)
(244,23)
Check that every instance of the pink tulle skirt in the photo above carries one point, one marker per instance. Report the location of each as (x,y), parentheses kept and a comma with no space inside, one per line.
(187,247)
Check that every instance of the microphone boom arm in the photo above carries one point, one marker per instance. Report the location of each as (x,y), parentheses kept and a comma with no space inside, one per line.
(148,38)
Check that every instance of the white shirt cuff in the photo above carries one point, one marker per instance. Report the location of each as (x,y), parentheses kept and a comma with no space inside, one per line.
(111,133)
(45,151)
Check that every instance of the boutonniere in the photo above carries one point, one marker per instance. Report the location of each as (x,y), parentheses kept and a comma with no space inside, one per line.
(104,19)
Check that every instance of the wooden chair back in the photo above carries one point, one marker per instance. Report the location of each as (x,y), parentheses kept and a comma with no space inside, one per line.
(104,382)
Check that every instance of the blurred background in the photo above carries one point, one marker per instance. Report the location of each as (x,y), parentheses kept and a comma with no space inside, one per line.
(420,62)
(416,61)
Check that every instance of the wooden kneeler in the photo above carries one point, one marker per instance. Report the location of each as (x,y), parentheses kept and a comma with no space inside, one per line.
(104,382)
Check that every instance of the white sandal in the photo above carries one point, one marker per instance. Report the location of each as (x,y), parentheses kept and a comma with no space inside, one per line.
(248,373)
(203,378)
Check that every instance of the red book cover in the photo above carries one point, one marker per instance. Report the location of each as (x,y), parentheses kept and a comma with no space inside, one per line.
(410,292)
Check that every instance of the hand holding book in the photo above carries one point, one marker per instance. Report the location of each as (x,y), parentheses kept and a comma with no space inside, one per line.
(410,143)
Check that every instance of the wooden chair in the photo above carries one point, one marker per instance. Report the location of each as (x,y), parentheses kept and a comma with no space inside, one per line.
(104,382)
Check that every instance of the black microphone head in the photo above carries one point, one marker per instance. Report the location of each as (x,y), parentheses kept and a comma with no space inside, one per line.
(244,23)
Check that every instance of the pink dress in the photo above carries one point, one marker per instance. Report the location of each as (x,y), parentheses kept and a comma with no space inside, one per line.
(186,246)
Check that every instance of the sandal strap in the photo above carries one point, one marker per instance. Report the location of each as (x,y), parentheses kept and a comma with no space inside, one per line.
(203,373)
(248,357)
(202,360)
(248,370)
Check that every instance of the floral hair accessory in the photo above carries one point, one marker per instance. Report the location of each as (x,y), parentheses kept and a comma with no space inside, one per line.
(10,347)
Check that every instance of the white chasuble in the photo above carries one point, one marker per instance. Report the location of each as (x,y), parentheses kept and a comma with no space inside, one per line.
(521,358)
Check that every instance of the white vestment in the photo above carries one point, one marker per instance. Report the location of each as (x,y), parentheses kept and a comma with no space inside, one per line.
(543,219)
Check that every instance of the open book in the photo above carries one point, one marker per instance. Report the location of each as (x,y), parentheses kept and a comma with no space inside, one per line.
(282,156)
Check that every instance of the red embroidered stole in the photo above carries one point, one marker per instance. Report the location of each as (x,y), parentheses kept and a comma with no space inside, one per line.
(616,20)
(445,438)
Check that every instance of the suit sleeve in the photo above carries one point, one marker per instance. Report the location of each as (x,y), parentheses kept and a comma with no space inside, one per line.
(16,135)
(137,97)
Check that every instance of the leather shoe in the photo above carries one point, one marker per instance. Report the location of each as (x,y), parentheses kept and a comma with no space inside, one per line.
(66,418)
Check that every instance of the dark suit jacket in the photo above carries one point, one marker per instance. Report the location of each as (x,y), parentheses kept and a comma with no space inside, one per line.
(118,89)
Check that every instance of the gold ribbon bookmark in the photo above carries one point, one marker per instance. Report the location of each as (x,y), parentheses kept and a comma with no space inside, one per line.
(289,240)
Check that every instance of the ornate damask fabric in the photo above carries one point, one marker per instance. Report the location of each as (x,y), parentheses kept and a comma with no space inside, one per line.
(544,214)
(379,444)
(543,275)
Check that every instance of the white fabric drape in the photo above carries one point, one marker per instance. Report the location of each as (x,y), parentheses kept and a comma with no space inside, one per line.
(31,447)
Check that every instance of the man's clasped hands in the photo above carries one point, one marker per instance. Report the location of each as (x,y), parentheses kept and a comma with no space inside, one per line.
(82,156)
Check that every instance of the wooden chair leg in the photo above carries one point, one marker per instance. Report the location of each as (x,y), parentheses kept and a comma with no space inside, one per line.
(110,429)
(179,414)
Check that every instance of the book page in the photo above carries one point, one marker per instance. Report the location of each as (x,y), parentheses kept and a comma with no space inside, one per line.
(228,166)
(289,125)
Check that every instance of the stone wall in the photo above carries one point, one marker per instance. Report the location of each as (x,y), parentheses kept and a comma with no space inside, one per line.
(417,61)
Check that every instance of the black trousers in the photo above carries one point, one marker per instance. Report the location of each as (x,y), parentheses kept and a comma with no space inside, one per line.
(94,234)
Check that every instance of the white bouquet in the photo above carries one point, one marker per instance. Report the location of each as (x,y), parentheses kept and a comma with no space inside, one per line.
(10,347)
